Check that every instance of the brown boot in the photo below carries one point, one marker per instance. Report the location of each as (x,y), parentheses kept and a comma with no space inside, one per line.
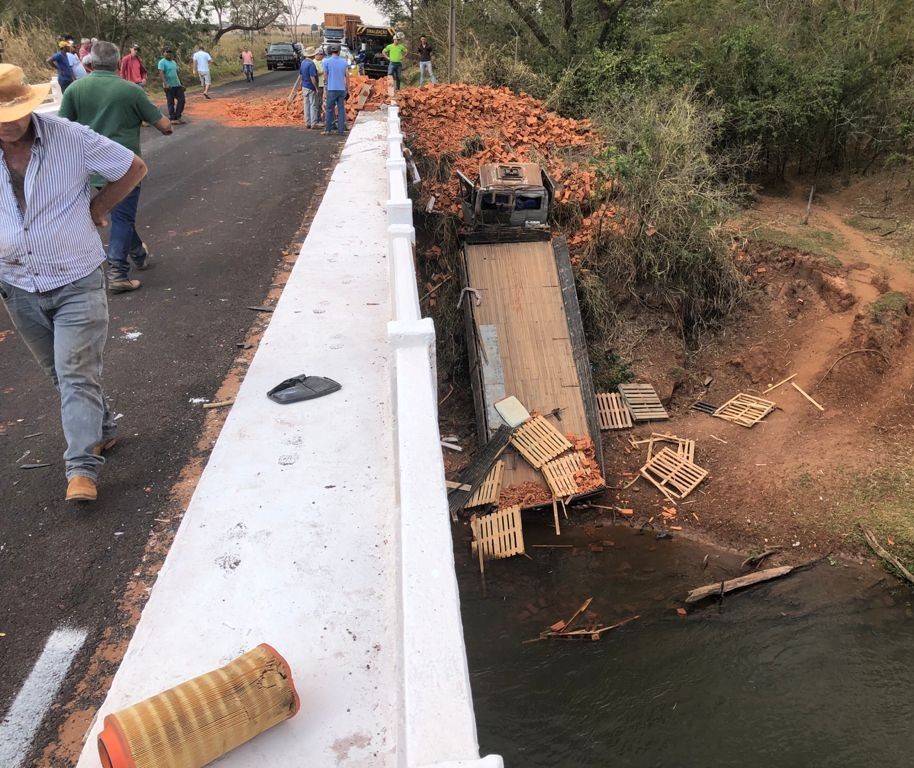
(123,285)
(81,489)
(103,446)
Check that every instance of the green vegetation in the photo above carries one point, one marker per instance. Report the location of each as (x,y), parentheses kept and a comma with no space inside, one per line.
(808,239)
(892,303)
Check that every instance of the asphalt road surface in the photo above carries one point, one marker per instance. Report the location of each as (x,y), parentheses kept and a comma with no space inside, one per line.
(218,208)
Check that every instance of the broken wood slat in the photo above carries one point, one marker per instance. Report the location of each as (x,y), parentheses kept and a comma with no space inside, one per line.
(452,485)
(475,474)
(488,492)
(803,392)
(613,412)
(745,410)
(673,474)
(775,386)
(885,554)
(538,441)
(364,95)
(559,474)
(684,446)
(498,535)
(731,585)
(643,402)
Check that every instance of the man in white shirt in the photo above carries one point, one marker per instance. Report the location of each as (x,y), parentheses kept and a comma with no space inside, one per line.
(201,69)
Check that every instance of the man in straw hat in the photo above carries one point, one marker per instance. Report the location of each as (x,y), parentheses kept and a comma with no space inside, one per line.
(308,73)
(51,276)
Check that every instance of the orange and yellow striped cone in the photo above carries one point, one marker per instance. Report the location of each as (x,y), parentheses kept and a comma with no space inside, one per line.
(196,722)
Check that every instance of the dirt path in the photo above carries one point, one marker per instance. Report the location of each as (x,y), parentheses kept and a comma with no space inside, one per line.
(801,479)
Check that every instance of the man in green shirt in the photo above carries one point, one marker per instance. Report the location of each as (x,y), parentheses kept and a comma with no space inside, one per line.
(116,109)
(395,53)
(174,91)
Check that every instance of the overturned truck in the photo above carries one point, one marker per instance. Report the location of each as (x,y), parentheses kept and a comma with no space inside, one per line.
(523,323)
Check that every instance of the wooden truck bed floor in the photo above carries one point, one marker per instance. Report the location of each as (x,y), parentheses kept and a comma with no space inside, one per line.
(529,324)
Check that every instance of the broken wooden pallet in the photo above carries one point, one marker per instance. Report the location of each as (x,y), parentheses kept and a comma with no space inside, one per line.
(498,535)
(643,402)
(745,410)
(673,474)
(682,445)
(538,441)
(613,412)
(488,492)
(475,474)
(560,474)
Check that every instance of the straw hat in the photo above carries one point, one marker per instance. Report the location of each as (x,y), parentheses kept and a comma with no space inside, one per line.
(309,53)
(18,98)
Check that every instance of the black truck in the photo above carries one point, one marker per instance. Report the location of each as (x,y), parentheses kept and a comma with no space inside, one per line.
(283,56)
(373,40)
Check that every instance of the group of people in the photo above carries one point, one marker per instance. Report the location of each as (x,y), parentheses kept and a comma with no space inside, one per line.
(325,88)
(60,179)
(396,53)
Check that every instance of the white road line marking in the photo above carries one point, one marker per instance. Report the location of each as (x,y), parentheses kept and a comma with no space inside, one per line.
(21,723)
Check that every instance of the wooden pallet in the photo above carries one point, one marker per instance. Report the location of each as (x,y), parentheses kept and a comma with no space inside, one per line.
(613,412)
(488,492)
(559,474)
(683,446)
(475,474)
(643,402)
(498,535)
(745,410)
(673,474)
(538,441)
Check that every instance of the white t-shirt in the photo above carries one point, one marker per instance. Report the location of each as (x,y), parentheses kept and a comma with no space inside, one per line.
(79,70)
(202,60)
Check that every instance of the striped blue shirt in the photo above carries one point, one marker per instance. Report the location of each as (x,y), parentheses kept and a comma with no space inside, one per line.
(55,242)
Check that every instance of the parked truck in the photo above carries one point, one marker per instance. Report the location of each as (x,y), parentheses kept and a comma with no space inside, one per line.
(374,40)
(341,29)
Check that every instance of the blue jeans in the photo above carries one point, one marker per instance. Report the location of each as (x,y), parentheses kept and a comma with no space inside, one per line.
(393,70)
(65,330)
(124,240)
(425,68)
(335,99)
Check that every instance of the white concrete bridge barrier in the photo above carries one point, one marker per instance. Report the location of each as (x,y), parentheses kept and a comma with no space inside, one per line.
(322,527)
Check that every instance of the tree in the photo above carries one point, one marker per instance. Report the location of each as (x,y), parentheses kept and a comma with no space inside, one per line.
(294,10)
(244,15)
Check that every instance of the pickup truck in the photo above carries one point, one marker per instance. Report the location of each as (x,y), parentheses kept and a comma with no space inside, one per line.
(283,56)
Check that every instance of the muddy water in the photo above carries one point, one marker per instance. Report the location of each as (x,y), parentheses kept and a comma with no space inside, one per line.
(816,669)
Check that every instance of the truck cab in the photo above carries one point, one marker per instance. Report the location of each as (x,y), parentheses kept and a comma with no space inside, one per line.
(510,195)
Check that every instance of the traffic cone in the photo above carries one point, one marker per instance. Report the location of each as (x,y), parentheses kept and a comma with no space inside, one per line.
(196,722)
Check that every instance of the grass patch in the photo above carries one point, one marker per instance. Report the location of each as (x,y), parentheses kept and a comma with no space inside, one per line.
(882,500)
(894,302)
(817,241)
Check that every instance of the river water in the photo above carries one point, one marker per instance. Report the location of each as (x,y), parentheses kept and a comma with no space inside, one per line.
(816,669)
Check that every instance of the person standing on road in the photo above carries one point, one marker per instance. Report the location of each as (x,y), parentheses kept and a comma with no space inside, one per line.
(308,73)
(321,82)
(247,64)
(395,53)
(174,91)
(201,69)
(51,279)
(337,72)
(424,52)
(132,69)
(116,109)
(61,62)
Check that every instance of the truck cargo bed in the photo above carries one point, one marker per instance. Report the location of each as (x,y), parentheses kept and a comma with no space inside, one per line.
(525,338)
